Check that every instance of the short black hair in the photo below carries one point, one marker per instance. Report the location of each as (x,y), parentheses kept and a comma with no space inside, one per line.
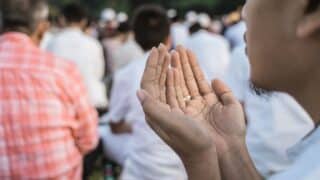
(151,26)
(23,15)
(124,27)
(194,28)
(74,13)
(313,5)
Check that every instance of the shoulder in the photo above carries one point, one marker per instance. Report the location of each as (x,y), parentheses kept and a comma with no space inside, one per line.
(60,67)
(91,41)
(131,72)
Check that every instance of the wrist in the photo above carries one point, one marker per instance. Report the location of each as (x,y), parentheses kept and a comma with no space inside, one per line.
(202,165)
(236,162)
(230,145)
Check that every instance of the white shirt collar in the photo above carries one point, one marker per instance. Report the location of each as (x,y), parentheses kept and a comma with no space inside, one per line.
(310,140)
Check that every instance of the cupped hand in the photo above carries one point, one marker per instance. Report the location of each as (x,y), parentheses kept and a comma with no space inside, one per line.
(190,115)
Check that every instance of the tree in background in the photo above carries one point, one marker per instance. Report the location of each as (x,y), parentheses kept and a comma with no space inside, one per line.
(213,7)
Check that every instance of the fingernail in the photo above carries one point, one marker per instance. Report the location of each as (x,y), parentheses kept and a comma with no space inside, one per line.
(161,45)
(173,51)
(141,95)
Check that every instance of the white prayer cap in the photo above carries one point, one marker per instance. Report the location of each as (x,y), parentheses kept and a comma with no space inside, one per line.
(191,17)
(204,20)
(122,17)
(172,13)
(108,15)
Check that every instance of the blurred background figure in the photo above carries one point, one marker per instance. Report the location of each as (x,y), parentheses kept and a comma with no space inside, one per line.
(179,32)
(143,154)
(47,123)
(216,26)
(86,52)
(115,33)
(269,117)
(191,18)
(212,50)
(236,29)
(128,51)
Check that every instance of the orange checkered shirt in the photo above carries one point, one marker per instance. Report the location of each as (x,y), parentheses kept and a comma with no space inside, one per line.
(46,121)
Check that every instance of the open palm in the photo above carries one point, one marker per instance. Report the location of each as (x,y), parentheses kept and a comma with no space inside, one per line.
(183,109)
(215,105)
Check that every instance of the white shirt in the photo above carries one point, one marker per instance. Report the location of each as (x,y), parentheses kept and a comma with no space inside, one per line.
(212,52)
(306,159)
(46,40)
(238,73)
(150,158)
(118,105)
(275,122)
(111,45)
(235,34)
(72,44)
(126,53)
(179,34)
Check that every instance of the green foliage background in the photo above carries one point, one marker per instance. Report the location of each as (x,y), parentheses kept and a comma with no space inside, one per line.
(95,6)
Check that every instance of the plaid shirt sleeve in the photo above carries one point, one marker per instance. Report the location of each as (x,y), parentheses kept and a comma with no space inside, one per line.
(85,131)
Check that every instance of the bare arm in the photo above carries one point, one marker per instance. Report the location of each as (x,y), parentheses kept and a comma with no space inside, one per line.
(237,164)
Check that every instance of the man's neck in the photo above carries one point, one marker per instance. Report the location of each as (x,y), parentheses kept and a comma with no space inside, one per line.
(75,26)
(308,95)
(36,38)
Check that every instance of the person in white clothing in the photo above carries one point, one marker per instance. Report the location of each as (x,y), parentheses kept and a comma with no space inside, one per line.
(149,158)
(210,128)
(235,33)
(212,51)
(129,51)
(117,133)
(86,52)
(179,31)
(275,116)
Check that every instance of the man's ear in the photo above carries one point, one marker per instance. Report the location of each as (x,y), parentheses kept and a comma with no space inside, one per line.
(39,32)
(310,23)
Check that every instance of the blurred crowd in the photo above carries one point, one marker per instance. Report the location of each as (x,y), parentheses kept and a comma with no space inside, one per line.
(69,83)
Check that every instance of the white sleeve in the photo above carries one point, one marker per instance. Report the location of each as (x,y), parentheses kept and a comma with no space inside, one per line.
(99,64)
(118,107)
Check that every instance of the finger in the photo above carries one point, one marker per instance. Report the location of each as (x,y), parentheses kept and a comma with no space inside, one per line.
(178,89)
(149,75)
(162,55)
(224,93)
(187,73)
(171,93)
(177,64)
(163,77)
(203,84)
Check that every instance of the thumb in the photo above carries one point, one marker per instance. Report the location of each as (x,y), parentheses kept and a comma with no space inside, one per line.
(223,92)
(143,96)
